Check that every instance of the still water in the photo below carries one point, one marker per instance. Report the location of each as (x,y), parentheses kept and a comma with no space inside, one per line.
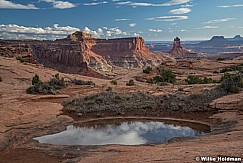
(125,132)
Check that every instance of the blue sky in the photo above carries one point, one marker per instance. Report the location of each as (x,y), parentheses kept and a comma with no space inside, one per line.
(151,19)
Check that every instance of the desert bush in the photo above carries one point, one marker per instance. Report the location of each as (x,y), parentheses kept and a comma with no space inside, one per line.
(19,58)
(56,82)
(48,87)
(150,81)
(166,75)
(130,83)
(81,82)
(1,79)
(114,82)
(140,103)
(231,68)
(232,83)
(43,88)
(197,80)
(147,70)
(109,89)
(220,59)
(36,79)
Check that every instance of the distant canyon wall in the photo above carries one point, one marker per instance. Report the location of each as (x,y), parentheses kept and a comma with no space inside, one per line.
(79,51)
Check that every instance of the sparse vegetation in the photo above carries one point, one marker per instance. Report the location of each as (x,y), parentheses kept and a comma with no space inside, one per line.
(232,68)
(197,80)
(19,58)
(116,103)
(147,70)
(113,82)
(165,76)
(81,82)
(109,89)
(36,79)
(231,83)
(49,87)
(130,83)
(220,59)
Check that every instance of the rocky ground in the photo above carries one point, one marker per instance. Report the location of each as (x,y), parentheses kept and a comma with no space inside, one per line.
(25,116)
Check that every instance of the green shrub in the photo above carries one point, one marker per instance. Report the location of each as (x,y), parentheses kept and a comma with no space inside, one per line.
(19,58)
(197,80)
(150,81)
(109,89)
(147,70)
(231,83)
(81,82)
(56,82)
(49,87)
(167,76)
(220,59)
(114,82)
(1,79)
(231,68)
(130,83)
(36,79)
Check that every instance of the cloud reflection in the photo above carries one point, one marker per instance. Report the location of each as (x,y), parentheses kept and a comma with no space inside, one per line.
(126,133)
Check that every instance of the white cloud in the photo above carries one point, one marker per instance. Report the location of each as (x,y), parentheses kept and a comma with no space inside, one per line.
(187,5)
(94,3)
(180,11)
(210,27)
(168,18)
(12,5)
(155,30)
(60,4)
(176,2)
(19,32)
(13,31)
(122,19)
(219,20)
(230,6)
(236,27)
(182,30)
(136,35)
(106,32)
(132,24)
(146,4)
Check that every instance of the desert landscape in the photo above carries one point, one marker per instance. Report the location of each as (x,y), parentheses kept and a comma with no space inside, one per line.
(71,94)
(41,111)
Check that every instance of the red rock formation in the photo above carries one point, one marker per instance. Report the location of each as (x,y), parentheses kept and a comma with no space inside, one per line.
(178,51)
(79,52)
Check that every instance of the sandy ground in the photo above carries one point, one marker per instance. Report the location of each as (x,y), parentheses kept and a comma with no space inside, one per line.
(24,116)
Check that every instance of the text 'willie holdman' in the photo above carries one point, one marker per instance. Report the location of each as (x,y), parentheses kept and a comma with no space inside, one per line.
(218,159)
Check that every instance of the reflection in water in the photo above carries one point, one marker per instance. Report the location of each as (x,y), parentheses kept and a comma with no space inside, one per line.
(126,133)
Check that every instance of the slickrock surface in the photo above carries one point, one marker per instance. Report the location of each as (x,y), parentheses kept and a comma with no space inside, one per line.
(23,117)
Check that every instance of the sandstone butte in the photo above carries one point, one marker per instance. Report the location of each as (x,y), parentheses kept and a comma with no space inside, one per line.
(179,52)
(81,53)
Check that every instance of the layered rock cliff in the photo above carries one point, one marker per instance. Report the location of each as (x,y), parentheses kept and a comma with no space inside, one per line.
(80,52)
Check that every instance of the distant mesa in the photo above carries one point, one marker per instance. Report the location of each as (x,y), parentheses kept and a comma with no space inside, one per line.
(238,38)
(218,38)
(179,52)
(221,41)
